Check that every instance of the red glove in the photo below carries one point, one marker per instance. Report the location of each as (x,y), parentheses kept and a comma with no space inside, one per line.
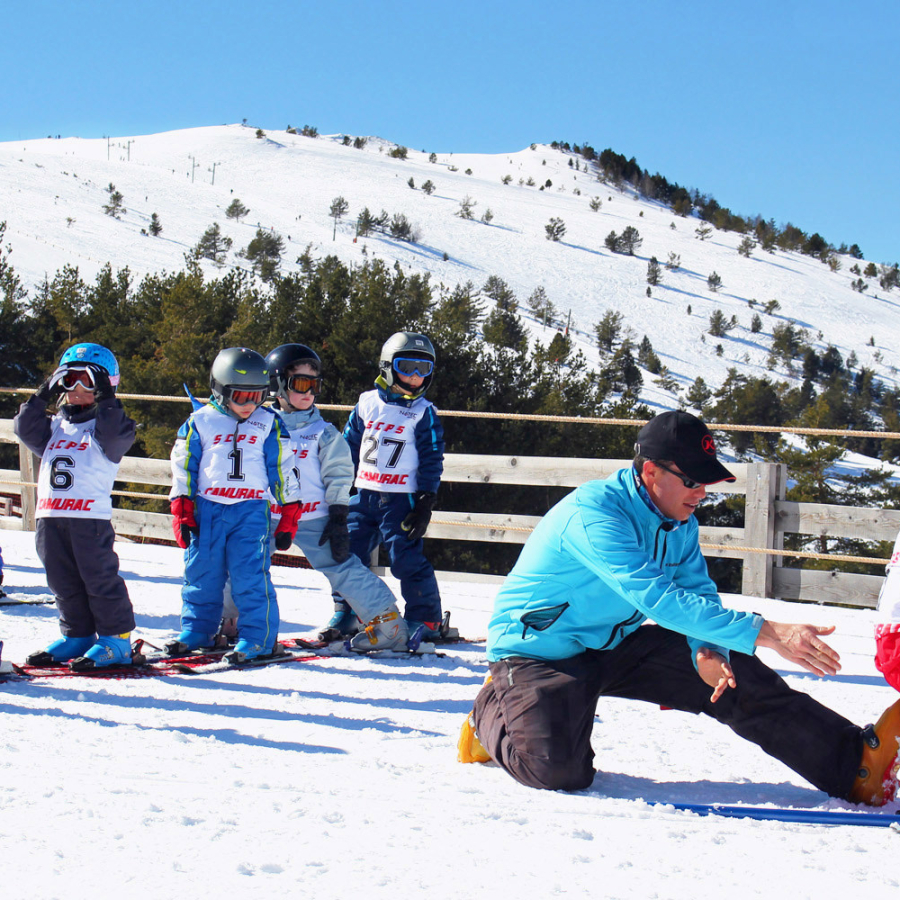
(287,527)
(887,653)
(183,522)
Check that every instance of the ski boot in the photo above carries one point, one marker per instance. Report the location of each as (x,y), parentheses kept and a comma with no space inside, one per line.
(387,631)
(420,632)
(188,641)
(469,749)
(110,650)
(246,651)
(876,781)
(344,623)
(61,650)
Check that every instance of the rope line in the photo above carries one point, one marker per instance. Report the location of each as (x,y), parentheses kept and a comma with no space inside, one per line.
(564,420)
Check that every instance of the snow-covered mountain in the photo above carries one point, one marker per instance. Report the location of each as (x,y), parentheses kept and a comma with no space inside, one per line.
(53,192)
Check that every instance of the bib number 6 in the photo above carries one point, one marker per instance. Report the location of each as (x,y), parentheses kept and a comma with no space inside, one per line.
(61,479)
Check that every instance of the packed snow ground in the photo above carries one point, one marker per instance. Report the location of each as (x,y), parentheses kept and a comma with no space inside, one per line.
(52,193)
(338,777)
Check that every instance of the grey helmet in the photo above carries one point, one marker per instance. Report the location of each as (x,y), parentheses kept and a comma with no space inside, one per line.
(408,345)
(282,358)
(238,369)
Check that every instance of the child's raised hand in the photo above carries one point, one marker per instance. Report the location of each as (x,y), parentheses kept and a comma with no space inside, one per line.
(51,386)
(103,389)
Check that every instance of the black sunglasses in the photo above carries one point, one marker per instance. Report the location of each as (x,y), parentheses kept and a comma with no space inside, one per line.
(689,483)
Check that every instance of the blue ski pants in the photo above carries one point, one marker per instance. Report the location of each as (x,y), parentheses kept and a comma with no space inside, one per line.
(233,540)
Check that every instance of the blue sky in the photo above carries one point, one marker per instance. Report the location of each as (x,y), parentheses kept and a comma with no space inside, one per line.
(786,109)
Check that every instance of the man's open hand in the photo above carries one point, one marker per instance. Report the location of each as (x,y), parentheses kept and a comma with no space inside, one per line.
(801,644)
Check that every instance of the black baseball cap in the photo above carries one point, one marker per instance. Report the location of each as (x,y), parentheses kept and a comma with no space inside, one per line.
(683,439)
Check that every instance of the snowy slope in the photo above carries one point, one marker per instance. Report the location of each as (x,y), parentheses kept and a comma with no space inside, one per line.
(336,778)
(52,192)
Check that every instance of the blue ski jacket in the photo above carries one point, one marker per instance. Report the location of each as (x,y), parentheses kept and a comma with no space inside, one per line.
(599,564)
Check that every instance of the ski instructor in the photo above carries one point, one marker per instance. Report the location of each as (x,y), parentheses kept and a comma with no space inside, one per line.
(570,626)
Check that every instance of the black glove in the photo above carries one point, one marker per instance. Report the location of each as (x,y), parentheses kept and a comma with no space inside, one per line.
(416,523)
(103,390)
(50,387)
(335,531)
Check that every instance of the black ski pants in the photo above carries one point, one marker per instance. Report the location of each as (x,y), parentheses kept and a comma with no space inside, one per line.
(83,572)
(535,716)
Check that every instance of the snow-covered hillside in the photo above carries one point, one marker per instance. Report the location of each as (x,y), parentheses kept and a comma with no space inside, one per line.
(52,193)
(338,777)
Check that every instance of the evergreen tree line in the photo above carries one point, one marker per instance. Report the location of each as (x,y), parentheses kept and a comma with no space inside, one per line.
(618,170)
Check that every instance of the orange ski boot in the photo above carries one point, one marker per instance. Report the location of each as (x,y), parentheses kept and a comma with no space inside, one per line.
(876,781)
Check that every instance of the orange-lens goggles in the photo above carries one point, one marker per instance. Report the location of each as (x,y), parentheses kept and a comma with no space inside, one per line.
(304,384)
(78,377)
(242,397)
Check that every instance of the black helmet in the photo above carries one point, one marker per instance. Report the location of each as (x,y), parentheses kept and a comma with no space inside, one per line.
(406,345)
(238,369)
(283,358)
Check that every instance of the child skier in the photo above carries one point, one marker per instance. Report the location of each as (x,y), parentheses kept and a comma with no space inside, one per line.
(228,456)
(325,469)
(80,449)
(397,442)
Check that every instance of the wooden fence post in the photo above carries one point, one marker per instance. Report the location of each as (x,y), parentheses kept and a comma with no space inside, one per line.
(765,485)
(29,464)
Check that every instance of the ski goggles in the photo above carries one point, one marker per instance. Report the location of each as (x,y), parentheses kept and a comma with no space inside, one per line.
(73,378)
(689,483)
(240,398)
(305,384)
(405,366)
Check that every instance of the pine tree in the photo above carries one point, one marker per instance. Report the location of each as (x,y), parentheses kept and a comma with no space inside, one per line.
(264,252)
(555,229)
(155,228)
(630,240)
(608,330)
(466,207)
(653,271)
(337,210)
(541,306)
(714,282)
(236,210)
(699,394)
(114,208)
(718,324)
(402,229)
(213,245)
(647,357)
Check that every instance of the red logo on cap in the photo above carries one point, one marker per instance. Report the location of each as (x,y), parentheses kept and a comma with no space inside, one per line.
(708,444)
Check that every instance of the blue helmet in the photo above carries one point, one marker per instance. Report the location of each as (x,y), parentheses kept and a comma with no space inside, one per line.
(83,354)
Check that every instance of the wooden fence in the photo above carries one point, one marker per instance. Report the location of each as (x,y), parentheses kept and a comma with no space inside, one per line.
(767,518)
